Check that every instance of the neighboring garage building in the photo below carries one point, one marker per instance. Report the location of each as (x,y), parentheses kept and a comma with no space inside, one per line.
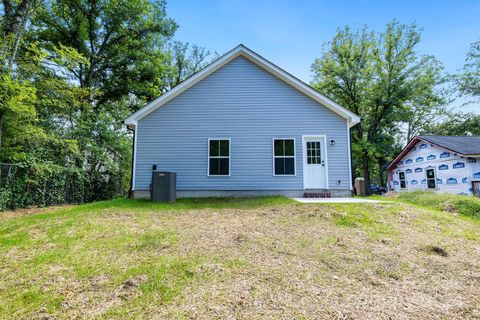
(439,163)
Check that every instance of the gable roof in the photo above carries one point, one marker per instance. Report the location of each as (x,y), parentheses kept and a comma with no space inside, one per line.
(253,57)
(464,146)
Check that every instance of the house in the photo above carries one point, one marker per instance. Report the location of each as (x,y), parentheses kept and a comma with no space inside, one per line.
(439,163)
(240,127)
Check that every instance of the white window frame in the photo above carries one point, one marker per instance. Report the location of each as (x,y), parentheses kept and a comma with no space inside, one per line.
(219,157)
(294,158)
(434,179)
(400,180)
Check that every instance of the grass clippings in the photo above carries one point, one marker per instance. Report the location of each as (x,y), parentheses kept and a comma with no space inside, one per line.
(258,258)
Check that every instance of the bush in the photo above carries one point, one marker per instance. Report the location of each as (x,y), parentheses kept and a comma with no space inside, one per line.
(465,205)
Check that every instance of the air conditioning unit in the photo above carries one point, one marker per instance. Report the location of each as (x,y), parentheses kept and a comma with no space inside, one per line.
(164,186)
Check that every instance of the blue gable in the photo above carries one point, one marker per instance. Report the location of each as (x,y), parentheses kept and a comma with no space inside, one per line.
(249,105)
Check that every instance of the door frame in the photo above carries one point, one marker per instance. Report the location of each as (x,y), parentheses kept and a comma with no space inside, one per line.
(304,156)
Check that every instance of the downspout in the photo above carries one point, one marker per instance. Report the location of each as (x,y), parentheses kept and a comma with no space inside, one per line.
(130,192)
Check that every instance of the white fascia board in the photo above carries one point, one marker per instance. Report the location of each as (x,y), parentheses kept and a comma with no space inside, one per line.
(241,50)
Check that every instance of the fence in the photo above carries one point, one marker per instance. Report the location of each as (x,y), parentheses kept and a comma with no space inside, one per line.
(23,185)
(476,188)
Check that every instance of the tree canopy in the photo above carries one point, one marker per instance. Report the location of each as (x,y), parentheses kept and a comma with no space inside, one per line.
(382,78)
(72,71)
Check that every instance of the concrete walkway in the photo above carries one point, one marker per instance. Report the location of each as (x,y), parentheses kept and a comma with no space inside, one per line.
(337,200)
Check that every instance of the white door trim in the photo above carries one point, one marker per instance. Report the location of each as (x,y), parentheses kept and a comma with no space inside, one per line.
(304,156)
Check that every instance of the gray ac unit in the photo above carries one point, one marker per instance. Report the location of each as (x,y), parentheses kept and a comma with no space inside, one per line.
(164,186)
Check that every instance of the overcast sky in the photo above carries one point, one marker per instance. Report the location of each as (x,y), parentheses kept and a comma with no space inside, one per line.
(291,33)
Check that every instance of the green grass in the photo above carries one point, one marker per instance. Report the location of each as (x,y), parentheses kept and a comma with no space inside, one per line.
(135,259)
(465,205)
(364,216)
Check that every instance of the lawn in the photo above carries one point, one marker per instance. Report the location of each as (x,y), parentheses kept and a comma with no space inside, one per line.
(259,258)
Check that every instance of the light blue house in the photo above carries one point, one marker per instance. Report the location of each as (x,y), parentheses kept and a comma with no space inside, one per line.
(242,126)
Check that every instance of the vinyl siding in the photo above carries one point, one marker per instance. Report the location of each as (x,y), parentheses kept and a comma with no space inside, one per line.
(243,102)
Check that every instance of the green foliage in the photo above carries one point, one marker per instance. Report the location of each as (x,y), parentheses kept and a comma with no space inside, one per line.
(382,78)
(71,72)
(468,81)
(456,124)
(465,205)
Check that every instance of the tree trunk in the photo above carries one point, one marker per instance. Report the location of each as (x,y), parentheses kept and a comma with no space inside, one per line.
(366,172)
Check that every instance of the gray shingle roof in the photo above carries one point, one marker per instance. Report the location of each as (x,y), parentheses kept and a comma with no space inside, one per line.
(466,145)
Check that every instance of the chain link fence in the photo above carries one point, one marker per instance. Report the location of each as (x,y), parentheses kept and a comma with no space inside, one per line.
(24,185)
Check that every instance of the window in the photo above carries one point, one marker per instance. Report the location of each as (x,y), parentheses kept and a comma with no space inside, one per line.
(218,157)
(403,181)
(431,181)
(314,155)
(284,157)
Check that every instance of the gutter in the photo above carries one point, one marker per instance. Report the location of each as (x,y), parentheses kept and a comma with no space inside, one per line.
(130,191)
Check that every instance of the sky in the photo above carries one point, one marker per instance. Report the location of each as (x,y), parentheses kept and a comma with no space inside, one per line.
(291,33)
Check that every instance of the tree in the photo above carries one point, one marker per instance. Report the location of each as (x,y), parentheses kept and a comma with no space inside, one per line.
(468,82)
(382,78)
(79,68)
(456,124)
(184,60)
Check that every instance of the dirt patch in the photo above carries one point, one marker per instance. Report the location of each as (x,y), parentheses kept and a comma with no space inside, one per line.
(436,250)
(134,282)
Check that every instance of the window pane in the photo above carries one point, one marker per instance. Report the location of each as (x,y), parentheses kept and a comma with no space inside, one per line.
(224,166)
(279,147)
(214,144)
(430,173)
(279,166)
(214,166)
(289,166)
(431,183)
(224,148)
(289,150)
(401,175)
(403,185)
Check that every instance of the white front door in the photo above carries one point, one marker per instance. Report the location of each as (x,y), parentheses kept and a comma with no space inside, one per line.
(314,163)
